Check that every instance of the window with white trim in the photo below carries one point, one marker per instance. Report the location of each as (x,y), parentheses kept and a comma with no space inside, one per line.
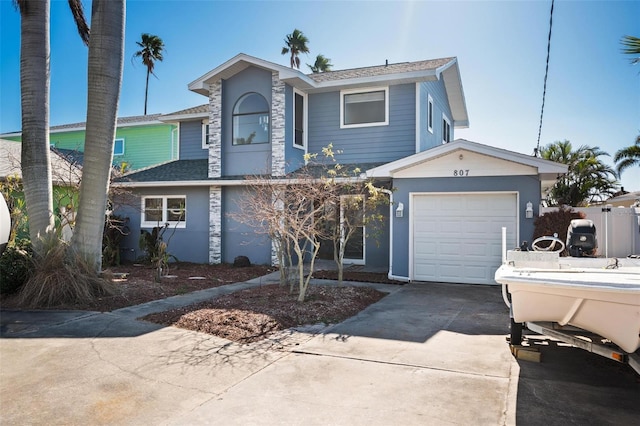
(299,119)
(205,135)
(159,210)
(364,107)
(118,147)
(446,129)
(430,114)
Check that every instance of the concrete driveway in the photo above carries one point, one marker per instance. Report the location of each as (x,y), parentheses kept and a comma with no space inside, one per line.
(425,354)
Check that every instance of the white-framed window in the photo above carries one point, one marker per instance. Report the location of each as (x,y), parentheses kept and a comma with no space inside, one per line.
(446,129)
(158,210)
(299,119)
(250,120)
(364,107)
(205,135)
(430,114)
(118,147)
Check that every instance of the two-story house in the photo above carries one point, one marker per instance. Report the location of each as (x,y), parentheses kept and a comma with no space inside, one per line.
(396,121)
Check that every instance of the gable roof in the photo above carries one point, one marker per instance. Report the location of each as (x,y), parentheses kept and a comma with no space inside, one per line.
(405,72)
(548,171)
(380,70)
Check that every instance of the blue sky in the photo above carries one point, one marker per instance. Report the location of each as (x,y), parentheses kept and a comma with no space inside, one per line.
(593,92)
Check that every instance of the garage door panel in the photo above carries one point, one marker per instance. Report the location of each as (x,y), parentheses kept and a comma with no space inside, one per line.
(450,249)
(457,237)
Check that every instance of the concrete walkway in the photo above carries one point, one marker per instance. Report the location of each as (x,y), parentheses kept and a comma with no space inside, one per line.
(425,354)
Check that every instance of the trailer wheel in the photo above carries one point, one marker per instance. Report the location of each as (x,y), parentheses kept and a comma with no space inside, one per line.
(516,332)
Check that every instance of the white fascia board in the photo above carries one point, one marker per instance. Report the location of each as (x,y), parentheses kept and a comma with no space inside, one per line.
(201,85)
(450,73)
(172,118)
(544,167)
(460,124)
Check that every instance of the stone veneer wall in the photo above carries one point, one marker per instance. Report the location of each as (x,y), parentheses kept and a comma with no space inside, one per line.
(275,259)
(215,224)
(277,125)
(215,129)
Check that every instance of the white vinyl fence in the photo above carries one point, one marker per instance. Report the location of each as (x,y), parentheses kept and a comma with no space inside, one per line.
(617,228)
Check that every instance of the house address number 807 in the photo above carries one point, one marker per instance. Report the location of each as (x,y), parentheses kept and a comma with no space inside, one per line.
(461,172)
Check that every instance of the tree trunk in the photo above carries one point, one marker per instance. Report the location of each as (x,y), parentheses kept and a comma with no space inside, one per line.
(34,86)
(146,92)
(106,52)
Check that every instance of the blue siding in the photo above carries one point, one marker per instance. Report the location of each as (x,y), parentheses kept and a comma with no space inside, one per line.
(240,160)
(294,157)
(364,144)
(191,141)
(377,241)
(239,239)
(440,104)
(527,186)
(190,244)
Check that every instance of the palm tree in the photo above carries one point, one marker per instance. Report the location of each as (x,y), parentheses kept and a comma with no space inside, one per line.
(632,47)
(151,51)
(295,43)
(322,64)
(628,157)
(106,53)
(588,178)
(34,87)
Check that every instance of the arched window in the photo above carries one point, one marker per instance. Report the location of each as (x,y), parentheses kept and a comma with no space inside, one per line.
(250,120)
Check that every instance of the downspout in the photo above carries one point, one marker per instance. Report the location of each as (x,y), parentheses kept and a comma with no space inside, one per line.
(391,217)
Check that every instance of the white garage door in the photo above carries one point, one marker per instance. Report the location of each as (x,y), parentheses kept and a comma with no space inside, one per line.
(458,237)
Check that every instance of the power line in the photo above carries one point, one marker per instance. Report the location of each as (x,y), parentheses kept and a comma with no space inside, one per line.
(536,151)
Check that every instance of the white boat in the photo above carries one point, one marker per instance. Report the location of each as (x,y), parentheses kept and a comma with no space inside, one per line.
(5,224)
(601,296)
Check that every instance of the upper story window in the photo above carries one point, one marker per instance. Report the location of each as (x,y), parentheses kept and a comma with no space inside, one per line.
(205,135)
(430,114)
(446,129)
(250,120)
(364,107)
(299,119)
(161,210)
(118,147)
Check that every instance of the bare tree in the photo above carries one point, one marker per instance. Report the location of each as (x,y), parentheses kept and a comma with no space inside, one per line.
(298,212)
(287,212)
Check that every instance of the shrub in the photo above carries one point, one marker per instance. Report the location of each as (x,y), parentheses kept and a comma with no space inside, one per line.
(61,278)
(15,265)
(115,229)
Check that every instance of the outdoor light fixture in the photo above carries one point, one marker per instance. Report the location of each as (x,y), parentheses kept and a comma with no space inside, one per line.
(528,213)
(400,210)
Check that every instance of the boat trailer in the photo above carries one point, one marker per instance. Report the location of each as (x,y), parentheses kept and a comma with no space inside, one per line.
(579,338)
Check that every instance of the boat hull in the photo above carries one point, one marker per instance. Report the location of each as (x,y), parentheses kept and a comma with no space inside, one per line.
(605,302)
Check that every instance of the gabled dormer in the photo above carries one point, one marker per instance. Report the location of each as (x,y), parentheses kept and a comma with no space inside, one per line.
(253,105)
